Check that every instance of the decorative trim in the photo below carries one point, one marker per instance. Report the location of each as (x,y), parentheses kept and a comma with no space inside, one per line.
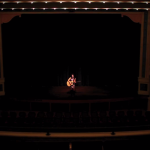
(137,18)
(5,18)
(74,135)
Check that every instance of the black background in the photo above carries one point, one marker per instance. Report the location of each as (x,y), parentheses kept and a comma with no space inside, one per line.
(43,50)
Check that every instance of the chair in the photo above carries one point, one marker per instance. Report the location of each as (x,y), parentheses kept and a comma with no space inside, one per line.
(22,119)
(49,119)
(112,113)
(147,117)
(112,119)
(76,119)
(94,119)
(130,113)
(40,120)
(85,119)
(67,119)
(121,119)
(31,118)
(130,118)
(103,119)
(139,118)
(12,118)
(138,113)
(4,118)
(58,119)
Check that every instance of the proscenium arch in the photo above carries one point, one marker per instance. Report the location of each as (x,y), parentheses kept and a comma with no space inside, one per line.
(143,80)
(137,17)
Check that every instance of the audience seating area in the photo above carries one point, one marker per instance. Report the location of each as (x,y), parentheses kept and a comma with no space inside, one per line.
(97,119)
(108,145)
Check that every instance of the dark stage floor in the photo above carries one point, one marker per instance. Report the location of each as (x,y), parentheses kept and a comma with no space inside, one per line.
(64,92)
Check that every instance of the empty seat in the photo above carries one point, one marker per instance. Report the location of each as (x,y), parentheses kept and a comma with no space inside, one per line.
(130,113)
(4,114)
(121,118)
(22,115)
(58,119)
(49,114)
(31,115)
(138,113)
(112,120)
(103,119)
(147,117)
(130,118)
(112,113)
(121,114)
(139,118)
(31,118)
(4,118)
(67,119)
(103,114)
(12,118)
(76,118)
(22,119)
(85,118)
(49,119)
(58,114)
(13,114)
(94,119)
(40,120)
(41,115)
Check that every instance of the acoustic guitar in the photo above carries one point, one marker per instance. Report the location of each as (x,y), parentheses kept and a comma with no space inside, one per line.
(70,83)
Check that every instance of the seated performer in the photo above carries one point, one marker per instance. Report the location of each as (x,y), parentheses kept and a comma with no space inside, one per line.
(72,79)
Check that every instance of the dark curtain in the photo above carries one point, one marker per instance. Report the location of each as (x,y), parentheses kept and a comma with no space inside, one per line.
(44,50)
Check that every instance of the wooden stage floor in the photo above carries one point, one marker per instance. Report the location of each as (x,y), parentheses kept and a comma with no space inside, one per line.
(63,93)
(81,92)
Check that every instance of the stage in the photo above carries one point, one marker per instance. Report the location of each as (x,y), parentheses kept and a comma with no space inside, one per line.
(86,98)
(80,91)
(64,93)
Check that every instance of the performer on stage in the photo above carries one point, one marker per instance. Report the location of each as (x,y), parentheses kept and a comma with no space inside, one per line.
(73,80)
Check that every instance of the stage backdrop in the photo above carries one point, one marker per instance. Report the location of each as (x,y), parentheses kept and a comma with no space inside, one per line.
(44,50)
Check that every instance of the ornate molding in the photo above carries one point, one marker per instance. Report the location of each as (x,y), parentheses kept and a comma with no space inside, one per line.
(5,18)
(137,18)
(74,134)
